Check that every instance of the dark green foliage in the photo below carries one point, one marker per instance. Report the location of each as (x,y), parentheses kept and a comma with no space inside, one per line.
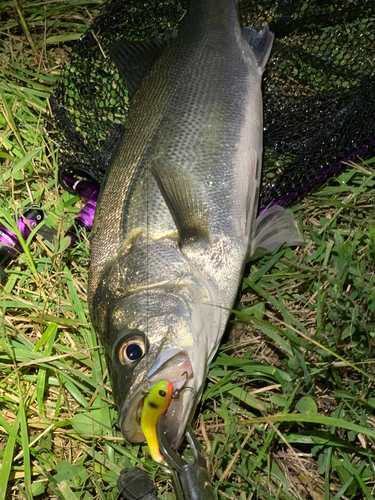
(318,88)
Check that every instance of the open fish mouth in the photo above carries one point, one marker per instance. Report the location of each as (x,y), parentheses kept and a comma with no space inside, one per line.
(177,369)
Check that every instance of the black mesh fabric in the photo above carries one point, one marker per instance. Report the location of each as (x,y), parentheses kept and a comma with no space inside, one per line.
(319,88)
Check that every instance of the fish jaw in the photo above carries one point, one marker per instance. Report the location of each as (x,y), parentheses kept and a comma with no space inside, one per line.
(178,369)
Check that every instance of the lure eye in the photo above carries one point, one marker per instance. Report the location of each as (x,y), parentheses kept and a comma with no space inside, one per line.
(162,393)
(132,349)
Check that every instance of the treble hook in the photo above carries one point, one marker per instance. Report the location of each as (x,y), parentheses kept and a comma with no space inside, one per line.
(176,393)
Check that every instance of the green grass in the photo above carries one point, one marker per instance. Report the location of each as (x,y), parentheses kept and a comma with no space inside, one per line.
(288,408)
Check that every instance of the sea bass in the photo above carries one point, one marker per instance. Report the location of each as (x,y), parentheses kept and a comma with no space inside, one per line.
(175,219)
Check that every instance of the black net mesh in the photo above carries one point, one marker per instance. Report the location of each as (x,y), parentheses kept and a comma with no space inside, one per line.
(319,88)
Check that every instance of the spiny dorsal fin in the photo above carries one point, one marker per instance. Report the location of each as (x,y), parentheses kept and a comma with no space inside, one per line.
(134,60)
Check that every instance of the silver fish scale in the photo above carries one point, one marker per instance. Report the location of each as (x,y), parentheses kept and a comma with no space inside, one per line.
(165,265)
(185,124)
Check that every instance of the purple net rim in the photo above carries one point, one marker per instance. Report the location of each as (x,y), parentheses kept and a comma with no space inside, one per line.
(322,175)
(89,190)
(9,239)
(86,215)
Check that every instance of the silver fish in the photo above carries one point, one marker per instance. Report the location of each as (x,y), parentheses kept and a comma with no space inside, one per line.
(175,220)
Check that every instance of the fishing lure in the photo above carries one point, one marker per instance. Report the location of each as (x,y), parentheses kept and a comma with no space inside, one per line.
(155,404)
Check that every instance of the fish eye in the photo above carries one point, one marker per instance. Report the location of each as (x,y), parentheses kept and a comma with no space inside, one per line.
(162,393)
(132,349)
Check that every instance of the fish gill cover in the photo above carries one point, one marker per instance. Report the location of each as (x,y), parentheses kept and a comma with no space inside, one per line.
(319,88)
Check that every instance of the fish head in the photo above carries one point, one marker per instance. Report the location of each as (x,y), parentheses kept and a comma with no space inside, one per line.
(159,333)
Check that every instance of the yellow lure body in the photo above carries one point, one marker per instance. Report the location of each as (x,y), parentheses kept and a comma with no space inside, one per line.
(155,404)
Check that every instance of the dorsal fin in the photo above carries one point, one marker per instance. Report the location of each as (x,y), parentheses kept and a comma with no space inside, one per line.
(134,60)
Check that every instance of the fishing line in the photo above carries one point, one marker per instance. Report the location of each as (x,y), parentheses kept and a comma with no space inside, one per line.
(147,276)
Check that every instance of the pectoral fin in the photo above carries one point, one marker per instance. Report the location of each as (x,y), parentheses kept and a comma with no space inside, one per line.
(274,227)
(186,204)
(260,42)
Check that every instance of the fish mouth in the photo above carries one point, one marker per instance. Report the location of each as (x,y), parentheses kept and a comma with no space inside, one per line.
(176,368)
